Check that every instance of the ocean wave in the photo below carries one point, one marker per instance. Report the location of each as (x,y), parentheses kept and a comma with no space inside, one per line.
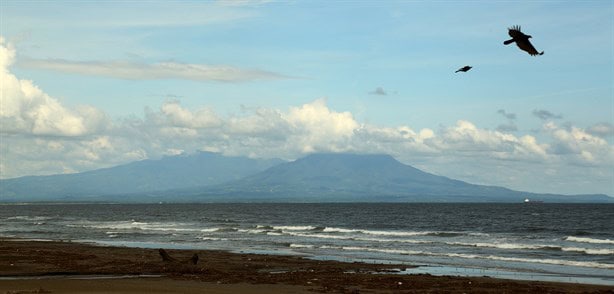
(370,249)
(209,230)
(135,225)
(320,236)
(28,218)
(227,230)
(339,230)
(588,240)
(409,241)
(295,228)
(252,231)
(421,233)
(505,245)
(213,239)
(363,235)
(301,246)
(589,264)
(264,227)
(590,251)
(394,233)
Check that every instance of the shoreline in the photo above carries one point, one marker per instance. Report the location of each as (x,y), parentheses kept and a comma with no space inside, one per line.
(410,268)
(226,271)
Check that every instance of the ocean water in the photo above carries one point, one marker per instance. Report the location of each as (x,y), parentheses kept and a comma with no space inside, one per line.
(557,242)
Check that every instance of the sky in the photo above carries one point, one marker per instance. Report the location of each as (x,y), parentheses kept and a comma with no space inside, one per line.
(94,84)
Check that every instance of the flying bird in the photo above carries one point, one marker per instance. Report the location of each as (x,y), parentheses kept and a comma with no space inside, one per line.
(522,41)
(465,68)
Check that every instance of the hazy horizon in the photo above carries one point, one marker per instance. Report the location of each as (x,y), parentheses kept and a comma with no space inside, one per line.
(87,85)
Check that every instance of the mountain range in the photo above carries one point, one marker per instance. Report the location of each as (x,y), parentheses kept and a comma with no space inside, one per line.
(171,172)
(211,177)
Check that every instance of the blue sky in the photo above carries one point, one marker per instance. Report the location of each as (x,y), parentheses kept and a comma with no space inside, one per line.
(90,84)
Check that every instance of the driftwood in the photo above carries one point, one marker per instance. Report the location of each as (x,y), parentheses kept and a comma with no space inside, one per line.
(168,258)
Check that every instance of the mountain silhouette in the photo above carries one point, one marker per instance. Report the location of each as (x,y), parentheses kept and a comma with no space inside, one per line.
(372,178)
(211,177)
(168,173)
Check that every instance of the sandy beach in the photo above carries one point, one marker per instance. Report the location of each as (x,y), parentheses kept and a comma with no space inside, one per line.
(68,267)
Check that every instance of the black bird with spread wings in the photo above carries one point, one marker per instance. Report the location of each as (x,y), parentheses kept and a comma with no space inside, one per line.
(522,41)
(464,69)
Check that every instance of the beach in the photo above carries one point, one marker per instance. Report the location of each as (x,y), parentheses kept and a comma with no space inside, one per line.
(28,266)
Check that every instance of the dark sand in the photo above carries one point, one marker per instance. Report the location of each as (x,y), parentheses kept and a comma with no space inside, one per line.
(55,267)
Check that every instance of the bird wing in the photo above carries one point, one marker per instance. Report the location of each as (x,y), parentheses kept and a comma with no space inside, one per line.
(526,45)
(515,33)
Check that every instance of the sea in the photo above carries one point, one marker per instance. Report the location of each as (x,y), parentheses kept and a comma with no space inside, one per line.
(538,241)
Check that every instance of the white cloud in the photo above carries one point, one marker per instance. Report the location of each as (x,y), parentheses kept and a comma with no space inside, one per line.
(603,129)
(579,146)
(24,108)
(155,71)
(181,117)
(39,135)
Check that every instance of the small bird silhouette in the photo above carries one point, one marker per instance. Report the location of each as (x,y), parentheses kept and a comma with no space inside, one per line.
(464,68)
(522,41)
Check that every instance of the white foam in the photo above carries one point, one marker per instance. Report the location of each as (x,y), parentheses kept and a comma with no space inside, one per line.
(320,236)
(591,251)
(410,241)
(264,227)
(390,251)
(589,240)
(136,225)
(423,233)
(301,246)
(28,218)
(213,239)
(209,230)
(340,230)
(503,245)
(551,261)
(294,228)
(395,233)
(250,231)
(474,256)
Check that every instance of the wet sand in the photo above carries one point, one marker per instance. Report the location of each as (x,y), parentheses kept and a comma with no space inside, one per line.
(67,267)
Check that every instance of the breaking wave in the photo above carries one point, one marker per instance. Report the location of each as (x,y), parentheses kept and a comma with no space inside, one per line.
(475,256)
(588,240)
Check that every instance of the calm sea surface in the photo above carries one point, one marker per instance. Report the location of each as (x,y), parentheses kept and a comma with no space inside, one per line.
(560,242)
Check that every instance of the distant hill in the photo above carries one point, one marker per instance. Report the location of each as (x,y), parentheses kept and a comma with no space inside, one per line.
(371,178)
(210,177)
(172,172)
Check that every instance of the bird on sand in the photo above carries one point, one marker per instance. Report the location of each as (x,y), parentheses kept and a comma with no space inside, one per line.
(522,41)
(465,68)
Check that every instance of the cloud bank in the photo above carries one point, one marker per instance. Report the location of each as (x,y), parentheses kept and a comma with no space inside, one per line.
(39,135)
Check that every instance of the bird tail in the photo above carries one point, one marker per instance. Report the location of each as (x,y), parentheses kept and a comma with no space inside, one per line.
(457,71)
(510,41)
(541,53)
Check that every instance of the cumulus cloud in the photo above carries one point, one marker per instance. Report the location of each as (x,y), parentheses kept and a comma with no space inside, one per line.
(155,71)
(603,129)
(546,115)
(24,108)
(39,135)
(579,145)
